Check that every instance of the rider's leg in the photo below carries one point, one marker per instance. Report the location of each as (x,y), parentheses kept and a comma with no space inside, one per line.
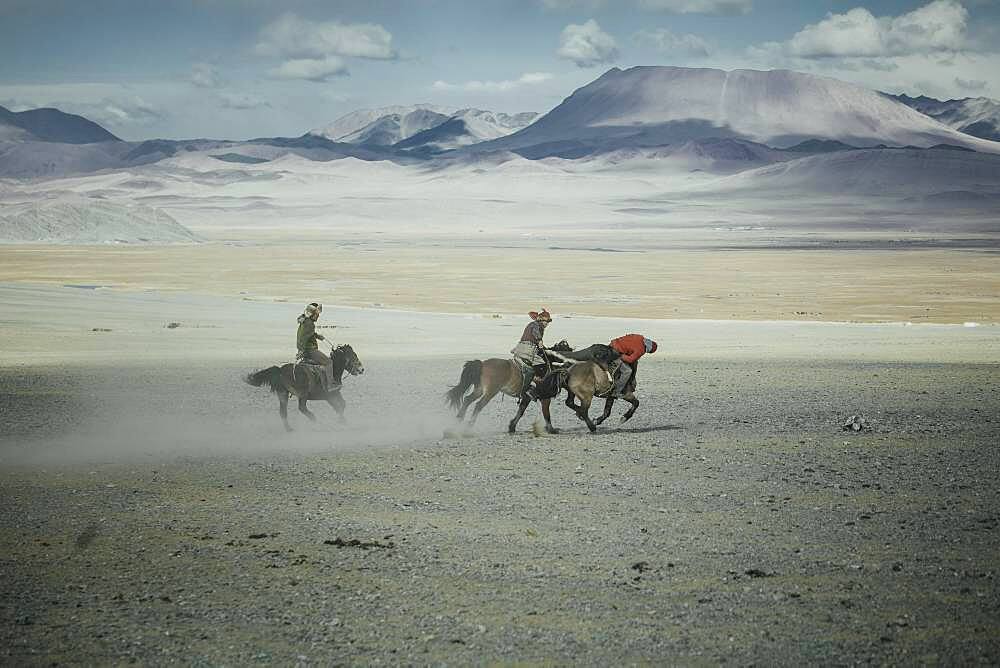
(319,357)
(527,372)
(624,374)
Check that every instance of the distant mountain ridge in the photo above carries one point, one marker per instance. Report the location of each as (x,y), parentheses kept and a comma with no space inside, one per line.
(699,119)
(976,116)
(51,125)
(383,126)
(467,127)
(422,128)
(650,106)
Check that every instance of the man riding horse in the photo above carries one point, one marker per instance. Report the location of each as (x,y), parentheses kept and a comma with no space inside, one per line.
(307,340)
(528,351)
(629,348)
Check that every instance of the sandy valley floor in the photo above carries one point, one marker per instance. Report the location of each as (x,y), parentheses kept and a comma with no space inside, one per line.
(872,284)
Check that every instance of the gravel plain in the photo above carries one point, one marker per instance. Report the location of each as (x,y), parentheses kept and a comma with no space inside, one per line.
(161,515)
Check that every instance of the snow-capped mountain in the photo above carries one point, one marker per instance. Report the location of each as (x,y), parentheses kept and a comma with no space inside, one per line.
(650,106)
(383,126)
(976,116)
(708,119)
(50,125)
(466,127)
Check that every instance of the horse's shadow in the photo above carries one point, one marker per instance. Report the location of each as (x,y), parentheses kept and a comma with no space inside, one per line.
(648,430)
(623,430)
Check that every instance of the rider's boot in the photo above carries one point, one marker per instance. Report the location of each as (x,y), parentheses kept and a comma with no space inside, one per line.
(527,374)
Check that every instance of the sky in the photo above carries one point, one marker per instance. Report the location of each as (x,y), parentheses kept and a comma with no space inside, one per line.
(237,69)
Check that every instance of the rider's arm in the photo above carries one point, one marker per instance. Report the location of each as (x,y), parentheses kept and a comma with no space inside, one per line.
(631,357)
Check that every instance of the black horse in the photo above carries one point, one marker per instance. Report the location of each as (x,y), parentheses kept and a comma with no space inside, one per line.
(305,382)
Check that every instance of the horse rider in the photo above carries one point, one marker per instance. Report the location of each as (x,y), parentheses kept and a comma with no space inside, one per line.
(528,351)
(629,348)
(307,340)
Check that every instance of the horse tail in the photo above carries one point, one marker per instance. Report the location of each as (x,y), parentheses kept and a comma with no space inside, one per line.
(270,376)
(470,376)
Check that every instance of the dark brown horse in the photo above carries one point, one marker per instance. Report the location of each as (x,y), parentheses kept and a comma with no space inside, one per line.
(487,378)
(305,382)
(587,379)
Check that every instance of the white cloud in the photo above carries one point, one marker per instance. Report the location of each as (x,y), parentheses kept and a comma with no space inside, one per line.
(204,75)
(112,105)
(666,41)
(294,38)
(311,69)
(936,27)
(242,101)
(573,4)
(112,112)
(698,6)
(974,84)
(116,112)
(924,51)
(587,45)
(670,6)
(527,79)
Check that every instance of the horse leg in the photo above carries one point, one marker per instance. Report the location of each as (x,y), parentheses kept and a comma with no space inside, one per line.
(574,407)
(283,409)
(305,411)
(607,411)
(548,416)
(481,404)
(477,392)
(584,413)
(338,404)
(630,397)
(521,407)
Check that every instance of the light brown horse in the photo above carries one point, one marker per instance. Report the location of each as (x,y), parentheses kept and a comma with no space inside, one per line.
(586,380)
(487,378)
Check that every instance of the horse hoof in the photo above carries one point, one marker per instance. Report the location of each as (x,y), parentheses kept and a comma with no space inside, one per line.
(552,430)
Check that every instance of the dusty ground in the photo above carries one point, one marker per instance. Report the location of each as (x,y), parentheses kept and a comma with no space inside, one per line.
(158,512)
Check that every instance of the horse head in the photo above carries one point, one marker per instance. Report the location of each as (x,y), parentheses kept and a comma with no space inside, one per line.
(562,347)
(352,364)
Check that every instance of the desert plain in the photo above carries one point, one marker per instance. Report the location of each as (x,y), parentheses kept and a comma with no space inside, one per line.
(154,510)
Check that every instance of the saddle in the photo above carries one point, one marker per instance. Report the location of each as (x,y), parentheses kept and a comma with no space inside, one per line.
(314,372)
(550,385)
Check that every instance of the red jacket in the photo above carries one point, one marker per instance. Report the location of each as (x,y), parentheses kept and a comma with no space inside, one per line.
(631,347)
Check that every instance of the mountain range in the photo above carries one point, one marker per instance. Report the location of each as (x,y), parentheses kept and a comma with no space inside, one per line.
(976,116)
(725,120)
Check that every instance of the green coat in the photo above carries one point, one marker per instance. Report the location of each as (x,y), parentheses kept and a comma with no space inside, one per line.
(305,339)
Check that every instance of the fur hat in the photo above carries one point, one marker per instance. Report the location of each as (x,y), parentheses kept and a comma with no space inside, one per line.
(542,315)
(314,307)
(650,345)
